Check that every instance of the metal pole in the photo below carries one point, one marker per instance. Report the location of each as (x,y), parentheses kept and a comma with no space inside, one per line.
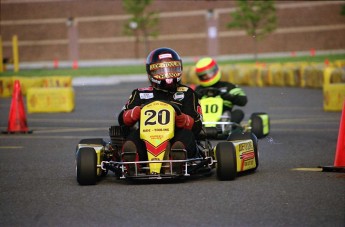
(15,53)
(73,39)
(212,32)
(1,57)
(134,26)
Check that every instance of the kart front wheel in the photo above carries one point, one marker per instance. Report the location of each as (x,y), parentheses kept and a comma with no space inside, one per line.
(86,166)
(226,161)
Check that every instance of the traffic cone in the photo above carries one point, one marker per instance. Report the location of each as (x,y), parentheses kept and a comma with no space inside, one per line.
(17,118)
(75,64)
(326,62)
(339,161)
(56,63)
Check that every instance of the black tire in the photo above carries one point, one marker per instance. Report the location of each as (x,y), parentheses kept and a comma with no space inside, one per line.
(257,125)
(246,136)
(96,141)
(226,161)
(86,166)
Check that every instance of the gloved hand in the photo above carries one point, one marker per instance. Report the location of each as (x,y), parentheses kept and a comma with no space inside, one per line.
(209,92)
(130,117)
(227,96)
(184,121)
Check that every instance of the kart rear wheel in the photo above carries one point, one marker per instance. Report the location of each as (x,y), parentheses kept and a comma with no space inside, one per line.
(226,161)
(86,166)
(260,123)
(246,136)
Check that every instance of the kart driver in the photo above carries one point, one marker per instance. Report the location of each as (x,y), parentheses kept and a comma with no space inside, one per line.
(209,76)
(164,69)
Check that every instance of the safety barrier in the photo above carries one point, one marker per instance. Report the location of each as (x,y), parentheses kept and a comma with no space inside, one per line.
(330,77)
(6,83)
(297,74)
(50,100)
(333,89)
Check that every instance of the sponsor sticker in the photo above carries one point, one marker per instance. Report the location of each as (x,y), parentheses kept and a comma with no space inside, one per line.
(146,95)
(163,56)
(178,96)
(182,89)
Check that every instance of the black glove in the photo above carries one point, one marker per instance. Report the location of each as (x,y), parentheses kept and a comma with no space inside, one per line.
(227,96)
(209,92)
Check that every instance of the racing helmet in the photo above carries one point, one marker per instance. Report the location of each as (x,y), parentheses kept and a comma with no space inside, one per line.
(164,68)
(207,71)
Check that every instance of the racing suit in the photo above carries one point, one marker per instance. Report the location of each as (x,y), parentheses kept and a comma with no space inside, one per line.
(231,95)
(184,97)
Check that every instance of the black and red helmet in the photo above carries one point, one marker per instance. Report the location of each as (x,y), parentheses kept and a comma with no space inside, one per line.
(164,68)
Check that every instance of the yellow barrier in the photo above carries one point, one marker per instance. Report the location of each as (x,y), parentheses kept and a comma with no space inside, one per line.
(340,63)
(225,72)
(233,75)
(277,76)
(28,82)
(50,100)
(292,74)
(314,76)
(333,93)
(303,66)
(57,81)
(245,75)
(255,77)
(6,84)
(189,76)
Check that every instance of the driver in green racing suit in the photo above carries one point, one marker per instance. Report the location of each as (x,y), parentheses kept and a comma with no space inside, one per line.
(209,76)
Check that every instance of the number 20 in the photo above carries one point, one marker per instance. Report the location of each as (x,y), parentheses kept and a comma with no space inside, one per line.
(163,117)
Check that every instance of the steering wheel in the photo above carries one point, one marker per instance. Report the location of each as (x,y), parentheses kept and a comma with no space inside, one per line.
(210,92)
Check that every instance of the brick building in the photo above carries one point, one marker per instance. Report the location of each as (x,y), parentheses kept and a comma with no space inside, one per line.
(45,33)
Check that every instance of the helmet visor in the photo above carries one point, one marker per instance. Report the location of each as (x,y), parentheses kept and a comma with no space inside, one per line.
(208,73)
(166,70)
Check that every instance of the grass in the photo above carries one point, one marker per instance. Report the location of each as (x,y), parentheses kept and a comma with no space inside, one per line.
(86,71)
(140,69)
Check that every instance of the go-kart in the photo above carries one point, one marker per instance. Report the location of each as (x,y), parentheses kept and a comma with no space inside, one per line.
(216,121)
(95,157)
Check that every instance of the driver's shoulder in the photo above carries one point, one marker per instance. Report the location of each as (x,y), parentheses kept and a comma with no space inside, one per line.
(223,85)
(183,88)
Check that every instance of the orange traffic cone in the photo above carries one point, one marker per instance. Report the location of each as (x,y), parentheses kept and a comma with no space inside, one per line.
(75,64)
(17,118)
(339,161)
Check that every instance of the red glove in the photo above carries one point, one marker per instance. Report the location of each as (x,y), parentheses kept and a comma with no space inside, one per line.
(130,117)
(184,121)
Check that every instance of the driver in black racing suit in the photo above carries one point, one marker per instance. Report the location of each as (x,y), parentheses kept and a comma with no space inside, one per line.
(164,69)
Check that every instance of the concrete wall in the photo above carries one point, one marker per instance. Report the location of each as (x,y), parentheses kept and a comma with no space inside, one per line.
(44,36)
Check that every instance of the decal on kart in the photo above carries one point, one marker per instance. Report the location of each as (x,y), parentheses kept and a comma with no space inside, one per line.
(245,155)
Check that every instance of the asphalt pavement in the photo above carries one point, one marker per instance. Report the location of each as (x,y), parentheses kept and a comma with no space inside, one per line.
(39,188)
